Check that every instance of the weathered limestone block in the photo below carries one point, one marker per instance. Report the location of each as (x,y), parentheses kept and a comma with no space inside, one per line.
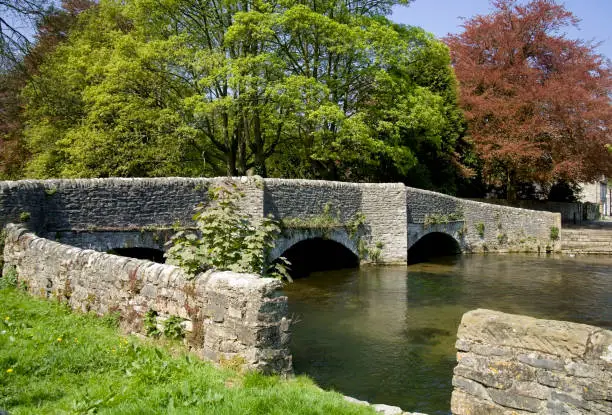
(517,364)
(546,336)
(238,316)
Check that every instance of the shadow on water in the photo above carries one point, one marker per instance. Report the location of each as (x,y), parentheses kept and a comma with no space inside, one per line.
(150,254)
(318,254)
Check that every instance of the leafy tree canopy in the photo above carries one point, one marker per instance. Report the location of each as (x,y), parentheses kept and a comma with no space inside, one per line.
(318,89)
(537,103)
(19,61)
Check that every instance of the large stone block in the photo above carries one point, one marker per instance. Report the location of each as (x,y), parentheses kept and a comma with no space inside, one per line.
(558,338)
(547,367)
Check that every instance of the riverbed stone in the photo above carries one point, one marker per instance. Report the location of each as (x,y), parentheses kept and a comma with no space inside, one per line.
(355,400)
(387,409)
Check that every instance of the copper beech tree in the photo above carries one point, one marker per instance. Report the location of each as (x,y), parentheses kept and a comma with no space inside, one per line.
(537,103)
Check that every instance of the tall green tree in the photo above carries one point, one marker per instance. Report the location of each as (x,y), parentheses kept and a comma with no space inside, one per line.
(23,60)
(321,89)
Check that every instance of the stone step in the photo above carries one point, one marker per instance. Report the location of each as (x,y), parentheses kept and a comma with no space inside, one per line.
(586,243)
(586,239)
(591,241)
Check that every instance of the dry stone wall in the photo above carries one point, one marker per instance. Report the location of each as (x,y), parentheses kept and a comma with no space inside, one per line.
(114,203)
(231,316)
(486,227)
(511,364)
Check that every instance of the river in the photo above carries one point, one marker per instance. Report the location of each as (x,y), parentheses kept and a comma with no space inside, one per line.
(386,334)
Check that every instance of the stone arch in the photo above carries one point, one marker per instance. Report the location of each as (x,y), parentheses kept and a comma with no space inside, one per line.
(433,244)
(294,236)
(316,250)
(104,241)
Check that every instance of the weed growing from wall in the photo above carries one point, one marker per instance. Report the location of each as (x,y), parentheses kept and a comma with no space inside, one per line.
(150,324)
(480,229)
(173,328)
(227,239)
(50,191)
(375,254)
(554,233)
(9,279)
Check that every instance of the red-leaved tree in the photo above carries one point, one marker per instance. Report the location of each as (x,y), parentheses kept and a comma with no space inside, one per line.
(537,104)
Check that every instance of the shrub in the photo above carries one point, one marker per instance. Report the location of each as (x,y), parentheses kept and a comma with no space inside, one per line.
(227,239)
(554,233)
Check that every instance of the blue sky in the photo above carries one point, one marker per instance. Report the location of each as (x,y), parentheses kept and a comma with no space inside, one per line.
(441,17)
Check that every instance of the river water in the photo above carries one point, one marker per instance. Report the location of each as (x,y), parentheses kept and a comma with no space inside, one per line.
(386,334)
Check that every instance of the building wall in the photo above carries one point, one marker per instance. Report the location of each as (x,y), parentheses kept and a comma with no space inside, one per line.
(516,364)
(230,316)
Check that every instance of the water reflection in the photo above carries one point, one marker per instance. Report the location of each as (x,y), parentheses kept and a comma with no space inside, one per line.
(386,334)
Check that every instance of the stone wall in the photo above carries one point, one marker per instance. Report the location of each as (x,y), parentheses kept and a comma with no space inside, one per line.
(113,204)
(101,213)
(510,364)
(571,212)
(383,205)
(230,316)
(487,227)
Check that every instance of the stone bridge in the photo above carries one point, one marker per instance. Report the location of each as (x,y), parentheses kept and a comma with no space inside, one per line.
(398,222)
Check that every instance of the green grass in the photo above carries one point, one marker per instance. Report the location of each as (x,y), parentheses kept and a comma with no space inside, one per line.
(54,361)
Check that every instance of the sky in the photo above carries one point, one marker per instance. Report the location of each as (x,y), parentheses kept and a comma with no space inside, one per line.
(441,17)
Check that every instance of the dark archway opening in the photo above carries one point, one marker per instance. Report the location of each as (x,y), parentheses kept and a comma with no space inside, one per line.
(318,254)
(151,254)
(433,245)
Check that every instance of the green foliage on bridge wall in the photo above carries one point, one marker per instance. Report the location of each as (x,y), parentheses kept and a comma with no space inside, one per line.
(554,233)
(480,229)
(227,239)
(328,220)
(438,218)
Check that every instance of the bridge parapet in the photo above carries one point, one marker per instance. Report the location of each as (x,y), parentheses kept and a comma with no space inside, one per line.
(487,227)
(114,203)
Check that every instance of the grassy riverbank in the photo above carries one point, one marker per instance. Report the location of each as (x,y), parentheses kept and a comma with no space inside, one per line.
(55,361)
